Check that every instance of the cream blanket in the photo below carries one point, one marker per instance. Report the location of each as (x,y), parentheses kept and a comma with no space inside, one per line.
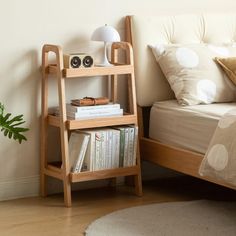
(220,159)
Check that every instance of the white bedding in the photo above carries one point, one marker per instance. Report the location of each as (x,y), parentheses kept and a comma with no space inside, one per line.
(189,127)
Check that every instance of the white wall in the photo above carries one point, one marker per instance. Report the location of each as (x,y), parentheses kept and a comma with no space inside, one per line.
(25,26)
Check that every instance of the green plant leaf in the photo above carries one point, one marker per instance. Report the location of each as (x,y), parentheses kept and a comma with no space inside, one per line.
(11,126)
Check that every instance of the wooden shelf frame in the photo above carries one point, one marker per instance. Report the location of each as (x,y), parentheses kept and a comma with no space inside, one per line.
(57,69)
(92,71)
(93,123)
(56,172)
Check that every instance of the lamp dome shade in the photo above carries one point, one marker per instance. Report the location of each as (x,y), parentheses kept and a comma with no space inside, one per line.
(106,34)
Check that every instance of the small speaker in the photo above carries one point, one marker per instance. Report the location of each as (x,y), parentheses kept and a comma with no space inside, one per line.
(77,60)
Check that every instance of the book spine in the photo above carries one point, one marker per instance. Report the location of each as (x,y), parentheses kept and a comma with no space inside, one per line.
(78,165)
(117,148)
(95,112)
(97,151)
(90,108)
(109,143)
(122,147)
(93,115)
(130,146)
(100,150)
(113,149)
(88,163)
(135,145)
(126,142)
(104,135)
(73,150)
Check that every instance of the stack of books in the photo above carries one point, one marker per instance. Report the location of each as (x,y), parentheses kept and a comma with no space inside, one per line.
(106,148)
(88,112)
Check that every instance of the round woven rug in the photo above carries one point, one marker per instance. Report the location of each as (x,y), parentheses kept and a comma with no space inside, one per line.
(191,218)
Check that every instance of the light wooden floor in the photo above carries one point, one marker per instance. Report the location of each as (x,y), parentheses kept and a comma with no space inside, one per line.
(47,216)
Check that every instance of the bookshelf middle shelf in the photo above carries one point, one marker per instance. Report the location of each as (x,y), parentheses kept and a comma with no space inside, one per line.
(93,123)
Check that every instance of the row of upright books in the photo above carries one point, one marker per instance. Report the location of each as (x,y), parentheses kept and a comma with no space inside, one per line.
(105,148)
(86,112)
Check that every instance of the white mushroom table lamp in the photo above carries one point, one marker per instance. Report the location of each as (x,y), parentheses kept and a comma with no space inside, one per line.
(106,34)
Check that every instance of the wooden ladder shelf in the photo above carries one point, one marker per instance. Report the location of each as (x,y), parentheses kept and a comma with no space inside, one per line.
(61,170)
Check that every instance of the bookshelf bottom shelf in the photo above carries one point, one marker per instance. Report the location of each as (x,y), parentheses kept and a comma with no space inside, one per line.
(103,174)
(54,170)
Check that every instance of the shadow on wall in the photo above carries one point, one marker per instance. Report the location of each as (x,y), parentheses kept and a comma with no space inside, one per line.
(91,86)
(21,96)
(25,76)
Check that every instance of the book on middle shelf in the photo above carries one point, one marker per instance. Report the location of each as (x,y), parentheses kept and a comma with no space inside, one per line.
(103,149)
(77,112)
(110,105)
(128,145)
(78,143)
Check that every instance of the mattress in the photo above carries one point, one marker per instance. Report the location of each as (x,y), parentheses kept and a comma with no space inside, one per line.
(188,127)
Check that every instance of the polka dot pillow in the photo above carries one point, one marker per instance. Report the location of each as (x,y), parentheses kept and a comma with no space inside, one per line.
(192,73)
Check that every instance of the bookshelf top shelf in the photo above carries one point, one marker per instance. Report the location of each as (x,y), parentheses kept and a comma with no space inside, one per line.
(92,71)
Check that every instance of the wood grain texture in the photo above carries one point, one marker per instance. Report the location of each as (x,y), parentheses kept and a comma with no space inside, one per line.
(48,217)
(65,125)
(180,160)
(104,174)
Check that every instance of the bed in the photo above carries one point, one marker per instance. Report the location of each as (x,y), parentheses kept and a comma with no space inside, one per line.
(156,100)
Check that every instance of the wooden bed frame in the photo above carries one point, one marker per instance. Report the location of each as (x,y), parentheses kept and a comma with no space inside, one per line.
(171,157)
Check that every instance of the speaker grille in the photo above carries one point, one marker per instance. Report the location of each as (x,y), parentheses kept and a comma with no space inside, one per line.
(75,62)
(87,61)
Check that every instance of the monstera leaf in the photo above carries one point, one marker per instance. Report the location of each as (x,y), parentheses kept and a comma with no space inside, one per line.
(10,126)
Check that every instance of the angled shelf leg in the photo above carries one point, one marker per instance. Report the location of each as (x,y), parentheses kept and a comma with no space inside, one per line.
(44,123)
(136,179)
(64,174)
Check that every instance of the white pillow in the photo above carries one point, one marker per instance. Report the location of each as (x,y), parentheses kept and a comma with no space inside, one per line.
(192,73)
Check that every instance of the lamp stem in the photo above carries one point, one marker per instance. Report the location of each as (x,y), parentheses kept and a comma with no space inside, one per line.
(105,54)
(105,61)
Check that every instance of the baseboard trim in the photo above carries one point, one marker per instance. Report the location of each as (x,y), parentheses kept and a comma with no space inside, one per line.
(19,188)
(29,186)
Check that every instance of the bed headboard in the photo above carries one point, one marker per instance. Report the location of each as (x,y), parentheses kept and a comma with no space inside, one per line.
(142,31)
